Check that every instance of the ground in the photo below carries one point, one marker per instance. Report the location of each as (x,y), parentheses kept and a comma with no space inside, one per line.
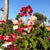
(48,28)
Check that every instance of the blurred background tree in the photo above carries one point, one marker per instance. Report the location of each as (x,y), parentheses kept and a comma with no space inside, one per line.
(40,17)
(49,21)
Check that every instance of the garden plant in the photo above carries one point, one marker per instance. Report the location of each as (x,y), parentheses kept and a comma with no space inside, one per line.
(16,35)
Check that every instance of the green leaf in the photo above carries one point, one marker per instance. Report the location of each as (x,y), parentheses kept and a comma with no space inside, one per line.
(33,43)
(43,43)
(34,37)
(1,31)
(25,44)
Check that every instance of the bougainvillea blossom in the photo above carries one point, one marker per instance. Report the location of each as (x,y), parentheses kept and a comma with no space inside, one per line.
(30,22)
(15,27)
(20,30)
(14,36)
(49,38)
(1,37)
(23,19)
(26,9)
(9,39)
(15,21)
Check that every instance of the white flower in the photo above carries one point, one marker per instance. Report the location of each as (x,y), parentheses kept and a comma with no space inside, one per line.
(26,29)
(15,27)
(15,21)
(5,45)
(30,22)
(23,19)
(1,49)
(33,18)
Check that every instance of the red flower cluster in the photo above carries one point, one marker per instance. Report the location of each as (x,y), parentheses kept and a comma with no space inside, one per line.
(1,37)
(29,10)
(11,47)
(2,21)
(2,26)
(14,36)
(25,9)
(11,39)
(49,38)
(20,30)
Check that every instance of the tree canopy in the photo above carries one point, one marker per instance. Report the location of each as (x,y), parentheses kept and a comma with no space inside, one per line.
(49,21)
(40,17)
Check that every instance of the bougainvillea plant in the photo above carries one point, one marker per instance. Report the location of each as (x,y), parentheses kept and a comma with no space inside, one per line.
(21,36)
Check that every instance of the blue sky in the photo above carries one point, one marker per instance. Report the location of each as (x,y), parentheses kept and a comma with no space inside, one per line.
(37,6)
